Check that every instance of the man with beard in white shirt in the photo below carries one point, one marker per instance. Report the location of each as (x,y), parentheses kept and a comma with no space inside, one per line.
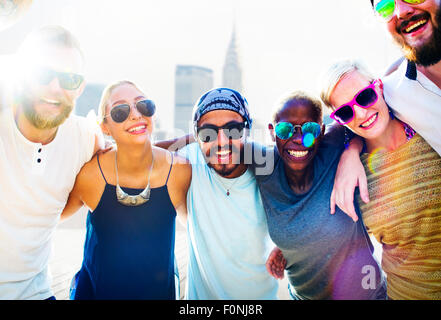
(43,147)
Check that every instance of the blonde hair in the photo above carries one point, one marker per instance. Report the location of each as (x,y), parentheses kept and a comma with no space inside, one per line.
(335,73)
(298,97)
(106,95)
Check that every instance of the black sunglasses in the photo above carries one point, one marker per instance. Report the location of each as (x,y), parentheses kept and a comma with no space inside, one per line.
(121,112)
(67,80)
(209,132)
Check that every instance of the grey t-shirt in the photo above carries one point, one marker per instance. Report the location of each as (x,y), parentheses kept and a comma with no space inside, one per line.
(328,256)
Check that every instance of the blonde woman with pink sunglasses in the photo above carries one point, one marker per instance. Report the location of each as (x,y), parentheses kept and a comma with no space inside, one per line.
(403,180)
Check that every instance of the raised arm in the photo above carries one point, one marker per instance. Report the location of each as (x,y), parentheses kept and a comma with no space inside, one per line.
(350,174)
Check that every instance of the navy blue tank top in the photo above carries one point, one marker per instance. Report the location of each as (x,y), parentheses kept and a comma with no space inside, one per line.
(129,251)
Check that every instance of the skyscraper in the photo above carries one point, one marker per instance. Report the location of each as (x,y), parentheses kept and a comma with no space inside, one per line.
(190,83)
(232,72)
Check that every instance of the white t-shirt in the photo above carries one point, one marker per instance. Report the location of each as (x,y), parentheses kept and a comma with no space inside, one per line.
(35,182)
(228,236)
(416,100)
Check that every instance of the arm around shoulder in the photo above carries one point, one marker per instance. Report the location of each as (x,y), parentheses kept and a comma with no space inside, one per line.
(350,174)
(175,144)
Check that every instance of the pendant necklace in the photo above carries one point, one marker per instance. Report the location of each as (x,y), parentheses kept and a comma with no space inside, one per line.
(227,188)
(128,200)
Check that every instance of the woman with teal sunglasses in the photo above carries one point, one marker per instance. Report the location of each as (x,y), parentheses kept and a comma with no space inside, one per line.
(322,259)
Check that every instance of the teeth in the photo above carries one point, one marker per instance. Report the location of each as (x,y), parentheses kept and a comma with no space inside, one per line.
(223,153)
(298,154)
(49,101)
(136,128)
(367,124)
(409,29)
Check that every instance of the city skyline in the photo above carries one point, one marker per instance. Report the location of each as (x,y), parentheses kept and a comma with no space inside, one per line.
(190,83)
(284,45)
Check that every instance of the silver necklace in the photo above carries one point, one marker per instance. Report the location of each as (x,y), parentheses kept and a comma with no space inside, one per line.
(227,188)
(128,200)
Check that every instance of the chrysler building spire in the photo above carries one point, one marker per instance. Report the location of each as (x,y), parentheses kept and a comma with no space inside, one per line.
(232,72)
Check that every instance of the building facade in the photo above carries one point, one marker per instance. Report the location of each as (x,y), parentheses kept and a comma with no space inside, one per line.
(190,83)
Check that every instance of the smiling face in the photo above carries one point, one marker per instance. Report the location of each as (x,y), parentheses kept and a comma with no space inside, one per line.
(47,105)
(368,123)
(294,154)
(223,154)
(417,29)
(137,128)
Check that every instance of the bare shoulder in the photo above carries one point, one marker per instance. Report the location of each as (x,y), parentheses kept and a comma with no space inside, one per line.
(167,158)
(179,181)
(90,178)
(90,183)
(180,168)
(181,165)
(89,170)
(160,155)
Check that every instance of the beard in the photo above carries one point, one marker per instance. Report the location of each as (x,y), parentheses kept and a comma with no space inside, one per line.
(42,121)
(427,54)
(224,169)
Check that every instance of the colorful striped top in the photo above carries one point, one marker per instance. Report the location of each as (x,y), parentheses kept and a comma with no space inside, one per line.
(404,215)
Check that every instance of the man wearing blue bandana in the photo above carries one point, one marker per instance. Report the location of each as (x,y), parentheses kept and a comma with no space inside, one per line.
(227,228)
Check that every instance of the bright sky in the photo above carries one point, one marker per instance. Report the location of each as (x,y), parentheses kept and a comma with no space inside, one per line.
(284,44)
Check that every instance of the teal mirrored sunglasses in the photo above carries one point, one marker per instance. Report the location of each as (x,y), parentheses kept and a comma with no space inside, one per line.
(385,9)
(309,131)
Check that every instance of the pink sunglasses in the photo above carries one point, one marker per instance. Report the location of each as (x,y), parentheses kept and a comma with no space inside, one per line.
(365,98)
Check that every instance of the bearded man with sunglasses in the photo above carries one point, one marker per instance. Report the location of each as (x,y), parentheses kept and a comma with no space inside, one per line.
(228,235)
(412,88)
(43,148)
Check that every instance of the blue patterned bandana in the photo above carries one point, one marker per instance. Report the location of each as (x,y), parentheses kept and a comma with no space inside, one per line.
(221,99)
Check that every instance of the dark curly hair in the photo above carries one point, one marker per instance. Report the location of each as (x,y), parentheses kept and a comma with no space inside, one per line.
(298,97)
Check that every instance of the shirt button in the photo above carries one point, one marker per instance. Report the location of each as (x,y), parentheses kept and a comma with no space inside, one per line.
(39,150)
(38,160)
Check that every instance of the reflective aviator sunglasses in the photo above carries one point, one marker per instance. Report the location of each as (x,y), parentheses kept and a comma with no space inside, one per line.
(365,98)
(386,8)
(309,130)
(121,112)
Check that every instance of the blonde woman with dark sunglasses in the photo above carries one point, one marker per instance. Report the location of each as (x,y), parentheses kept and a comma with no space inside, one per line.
(133,194)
